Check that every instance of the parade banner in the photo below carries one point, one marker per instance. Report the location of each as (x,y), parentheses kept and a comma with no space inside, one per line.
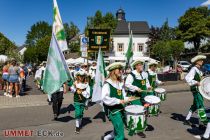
(58,28)
(99,38)
(129,53)
(99,78)
(55,74)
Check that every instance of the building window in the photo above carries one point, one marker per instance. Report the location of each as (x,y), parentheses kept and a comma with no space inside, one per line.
(120,47)
(140,47)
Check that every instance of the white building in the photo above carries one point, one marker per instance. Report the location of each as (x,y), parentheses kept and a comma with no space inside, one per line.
(120,37)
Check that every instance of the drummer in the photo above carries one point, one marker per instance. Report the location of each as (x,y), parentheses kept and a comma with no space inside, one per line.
(137,82)
(193,79)
(114,98)
(152,76)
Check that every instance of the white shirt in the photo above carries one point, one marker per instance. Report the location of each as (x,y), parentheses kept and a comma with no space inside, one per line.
(111,101)
(154,73)
(190,76)
(85,93)
(92,72)
(129,80)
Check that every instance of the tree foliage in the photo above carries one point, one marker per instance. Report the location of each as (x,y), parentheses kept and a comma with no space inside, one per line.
(194,25)
(42,48)
(154,36)
(6,46)
(30,55)
(38,31)
(101,21)
(164,50)
(166,32)
(72,31)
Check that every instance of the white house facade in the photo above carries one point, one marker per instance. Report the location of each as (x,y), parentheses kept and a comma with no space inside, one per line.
(120,38)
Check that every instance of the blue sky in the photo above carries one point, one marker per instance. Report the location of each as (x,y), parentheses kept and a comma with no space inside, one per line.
(17,16)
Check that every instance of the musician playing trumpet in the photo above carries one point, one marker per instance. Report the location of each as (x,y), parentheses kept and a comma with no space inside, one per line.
(81,92)
(193,79)
(114,98)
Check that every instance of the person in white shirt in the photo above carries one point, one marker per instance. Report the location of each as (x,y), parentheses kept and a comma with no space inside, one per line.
(152,76)
(81,92)
(193,79)
(114,98)
(137,82)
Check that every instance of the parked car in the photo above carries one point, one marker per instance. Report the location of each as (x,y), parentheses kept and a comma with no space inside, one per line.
(184,64)
(206,68)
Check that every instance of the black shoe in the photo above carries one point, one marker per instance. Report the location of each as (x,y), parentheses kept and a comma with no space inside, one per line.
(141,134)
(55,117)
(187,122)
(202,127)
(77,130)
(49,103)
(202,138)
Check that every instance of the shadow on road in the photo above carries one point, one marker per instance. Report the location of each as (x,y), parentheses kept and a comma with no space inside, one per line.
(101,115)
(86,121)
(68,109)
(150,128)
(180,117)
(195,131)
(65,119)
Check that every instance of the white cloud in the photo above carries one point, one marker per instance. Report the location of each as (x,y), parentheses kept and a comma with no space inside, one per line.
(207,3)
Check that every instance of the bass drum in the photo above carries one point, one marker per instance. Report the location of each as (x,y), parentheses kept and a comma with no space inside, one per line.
(204,88)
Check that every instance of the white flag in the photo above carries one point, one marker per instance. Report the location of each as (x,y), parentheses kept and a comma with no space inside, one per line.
(99,78)
(55,72)
(58,28)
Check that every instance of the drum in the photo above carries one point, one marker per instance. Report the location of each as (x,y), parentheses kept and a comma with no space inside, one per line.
(153,108)
(161,93)
(135,118)
(204,88)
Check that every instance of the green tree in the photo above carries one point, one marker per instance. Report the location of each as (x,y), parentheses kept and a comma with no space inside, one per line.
(166,32)
(30,55)
(162,50)
(177,47)
(38,31)
(6,45)
(42,48)
(154,36)
(107,21)
(72,31)
(194,25)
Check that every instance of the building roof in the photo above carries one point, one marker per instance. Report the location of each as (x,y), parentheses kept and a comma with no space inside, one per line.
(20,48)
(137,27)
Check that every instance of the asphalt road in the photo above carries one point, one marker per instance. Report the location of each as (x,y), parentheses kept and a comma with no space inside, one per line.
(168,126)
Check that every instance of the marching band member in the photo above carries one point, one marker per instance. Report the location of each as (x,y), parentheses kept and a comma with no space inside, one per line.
(92,73)
(152,76)
(193,79)
(57,99)
(84,68)
(114,96)
(137,82)
(81,91)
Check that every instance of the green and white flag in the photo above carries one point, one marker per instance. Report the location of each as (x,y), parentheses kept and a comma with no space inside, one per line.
(99,78)
(58,28)
(129,53)
(55,73)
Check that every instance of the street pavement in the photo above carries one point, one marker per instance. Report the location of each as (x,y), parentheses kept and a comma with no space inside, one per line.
(32,112)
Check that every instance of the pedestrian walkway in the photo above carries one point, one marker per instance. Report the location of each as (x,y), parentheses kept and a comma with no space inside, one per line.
(41,99)
(28,100)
